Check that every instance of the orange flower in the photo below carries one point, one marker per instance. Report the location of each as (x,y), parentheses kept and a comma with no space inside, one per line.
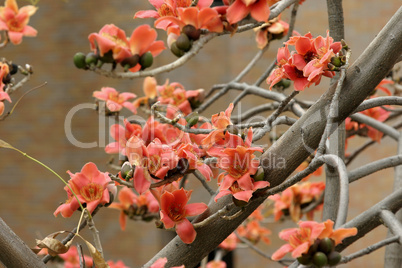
(15,21)
(115,101)
(174,210)
(294,198)
(142,40)
(121,135)
(149,89)
(258,9)
(300,239)
(253,232)
(92,188)
(274,29)
(131,204)
(110,38)
(206,18)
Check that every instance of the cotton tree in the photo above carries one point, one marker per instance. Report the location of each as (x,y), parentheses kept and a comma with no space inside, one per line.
(245,182)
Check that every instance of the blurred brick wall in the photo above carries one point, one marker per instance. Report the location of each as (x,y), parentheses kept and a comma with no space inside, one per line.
(29,194)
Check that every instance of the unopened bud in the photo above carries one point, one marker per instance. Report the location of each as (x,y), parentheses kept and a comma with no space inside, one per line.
(192,119)
(259,175)
(320,259)
(192,32)
(334,258)
(336,61)
(344,45)
(183,42)
(175,50)
(332,67)
(126,171)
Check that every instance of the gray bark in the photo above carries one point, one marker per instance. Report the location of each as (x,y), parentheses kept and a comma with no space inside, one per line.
(393,257)
(14,252)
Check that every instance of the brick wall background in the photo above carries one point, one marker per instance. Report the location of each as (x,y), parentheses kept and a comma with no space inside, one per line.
(29,194)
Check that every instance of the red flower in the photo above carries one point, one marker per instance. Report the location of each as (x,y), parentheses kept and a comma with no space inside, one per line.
(300,239)
(174,210)
(129,199)
(110,38)
(253,232)
(142,40)
(14,21)
(115,101)
(205,18)
(258,9)
(121,135)
(91,187)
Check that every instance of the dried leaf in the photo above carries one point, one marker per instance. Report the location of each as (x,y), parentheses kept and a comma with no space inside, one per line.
(96,256)
(53,245)
(4,144)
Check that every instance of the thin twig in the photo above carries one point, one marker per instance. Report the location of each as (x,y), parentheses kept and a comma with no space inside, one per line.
(201,178)
(333,107)
(370,249)
(259,251)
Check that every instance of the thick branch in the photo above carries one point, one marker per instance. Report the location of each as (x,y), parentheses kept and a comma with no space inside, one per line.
(14,252)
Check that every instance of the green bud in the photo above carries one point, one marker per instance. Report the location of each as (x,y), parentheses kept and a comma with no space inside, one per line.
(326,245)
(320,259)
(334,258)
(192,119)
(259,175)
(336,61)
(146,60)
(126,171)
(175,50)
(304,259)
(130,62)
(191,32)
(91,59)
(79,60)
(183,42)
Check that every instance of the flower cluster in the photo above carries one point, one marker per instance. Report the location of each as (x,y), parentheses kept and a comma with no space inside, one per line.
(292,200)
(313,242)
(111,45)
(308,63)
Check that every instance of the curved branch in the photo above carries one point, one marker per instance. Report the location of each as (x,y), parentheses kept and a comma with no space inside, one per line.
(373,167)
(384,128)
(380,101)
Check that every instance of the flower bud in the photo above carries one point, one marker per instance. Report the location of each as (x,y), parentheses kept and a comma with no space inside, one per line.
(91,59)
(326,245)
(336,61)
(79,60)
(7,78)
(334,258)
(192,119)
(146,60)
(191,32)
(183,42)
(130,62)
(126,171)
(14,68)
(259,175)
(304,259)
(320,259)
(107,57)
(175,50)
